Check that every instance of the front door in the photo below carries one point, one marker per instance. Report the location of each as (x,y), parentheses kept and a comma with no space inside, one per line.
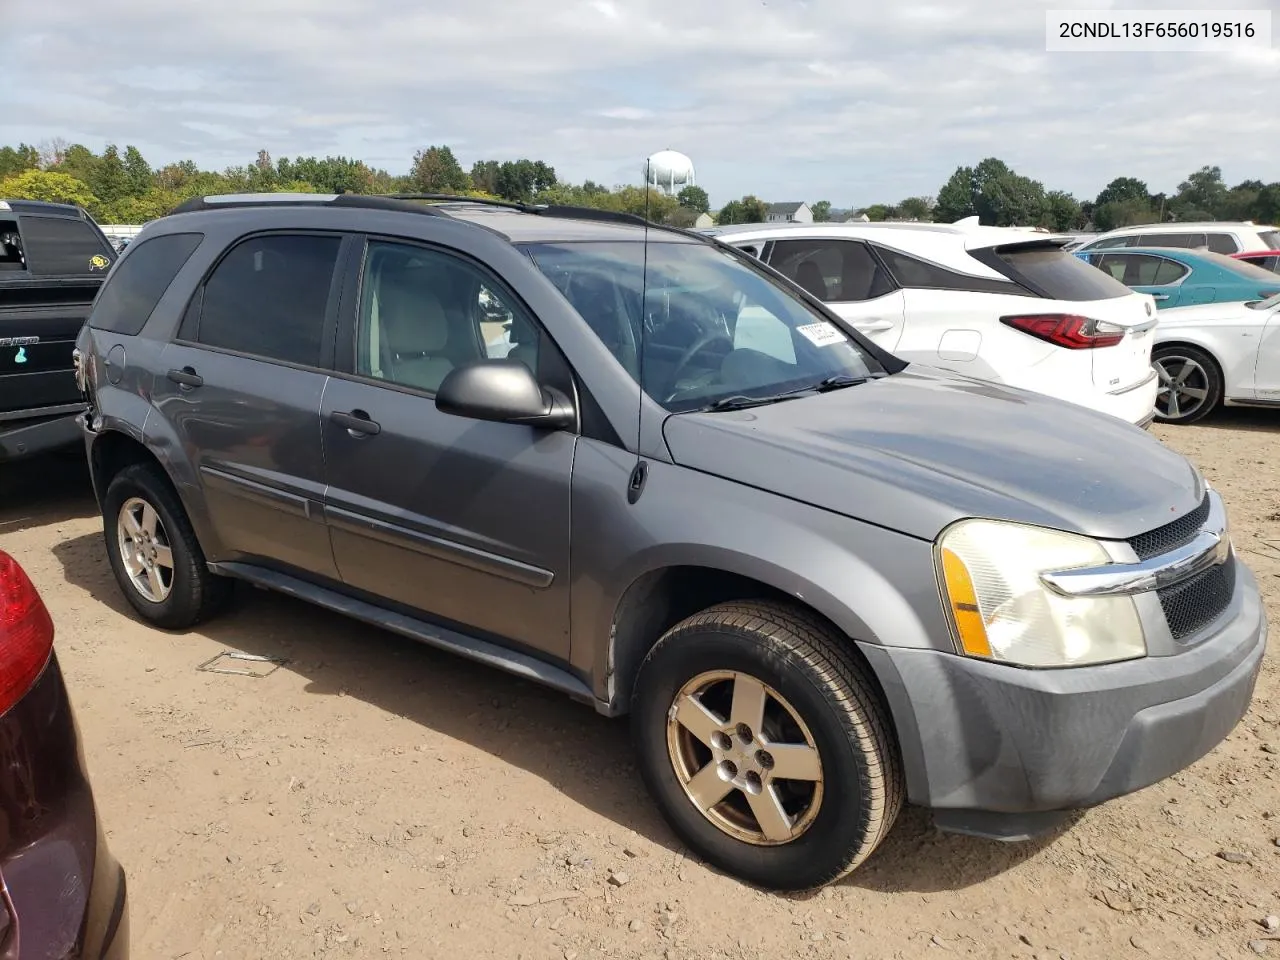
(1267,366)
(847,277)
(241,388)
(1166,280)
(463,521)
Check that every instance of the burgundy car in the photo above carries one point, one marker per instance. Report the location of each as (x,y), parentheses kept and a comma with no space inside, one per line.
(62,894)
(1266,259)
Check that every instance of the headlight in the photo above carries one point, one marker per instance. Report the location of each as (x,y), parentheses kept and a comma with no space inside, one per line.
(1000,610)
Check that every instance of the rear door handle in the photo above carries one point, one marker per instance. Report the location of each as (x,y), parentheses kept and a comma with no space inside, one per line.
(357,422)
(873,326)
(186,377)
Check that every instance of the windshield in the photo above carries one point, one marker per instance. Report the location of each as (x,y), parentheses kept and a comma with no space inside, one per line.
(714,327)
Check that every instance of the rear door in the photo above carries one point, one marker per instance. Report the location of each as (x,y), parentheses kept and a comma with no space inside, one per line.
(1267,365)
(1165,280)
(1077,289)
(241,386)
(850,279)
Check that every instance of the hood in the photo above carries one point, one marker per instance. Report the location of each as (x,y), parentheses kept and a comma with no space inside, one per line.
(922,448)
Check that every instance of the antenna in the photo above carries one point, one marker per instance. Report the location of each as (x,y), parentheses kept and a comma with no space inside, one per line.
(635,486)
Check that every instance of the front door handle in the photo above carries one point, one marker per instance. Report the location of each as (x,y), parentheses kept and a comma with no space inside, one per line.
(1159,296)
(873,326)
(357,422)
(186,377)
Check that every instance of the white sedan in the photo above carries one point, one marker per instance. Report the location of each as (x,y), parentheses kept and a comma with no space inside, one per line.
(1217,354)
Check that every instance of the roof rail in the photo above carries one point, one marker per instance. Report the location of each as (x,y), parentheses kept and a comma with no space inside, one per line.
(372,202)
(457,198)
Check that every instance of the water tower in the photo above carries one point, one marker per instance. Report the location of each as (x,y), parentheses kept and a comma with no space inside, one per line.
(669,171)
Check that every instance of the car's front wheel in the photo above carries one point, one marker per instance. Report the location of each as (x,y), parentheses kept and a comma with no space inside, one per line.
(1190,384)
(154,552)
(765,745)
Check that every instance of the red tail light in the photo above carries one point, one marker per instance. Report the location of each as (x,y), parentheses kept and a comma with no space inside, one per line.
(1067,330)
(26,633)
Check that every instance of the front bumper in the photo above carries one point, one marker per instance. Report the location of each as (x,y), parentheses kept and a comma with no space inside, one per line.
(1001,751)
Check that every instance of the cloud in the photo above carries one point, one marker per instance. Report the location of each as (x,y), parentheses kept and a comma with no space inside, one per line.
(847,100)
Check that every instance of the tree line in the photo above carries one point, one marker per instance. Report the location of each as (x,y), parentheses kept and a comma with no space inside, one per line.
(123,187)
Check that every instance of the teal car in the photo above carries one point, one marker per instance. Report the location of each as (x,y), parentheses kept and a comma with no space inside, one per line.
(1180,278)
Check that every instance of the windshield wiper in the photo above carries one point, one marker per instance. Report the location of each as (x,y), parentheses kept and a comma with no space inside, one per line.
(837,382)
(742,403)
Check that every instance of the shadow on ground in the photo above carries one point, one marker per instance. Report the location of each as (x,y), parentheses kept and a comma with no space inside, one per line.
(1236,419)
(44,491)
(584,755)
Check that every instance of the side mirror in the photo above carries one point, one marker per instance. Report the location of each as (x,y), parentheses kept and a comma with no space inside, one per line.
(503,391)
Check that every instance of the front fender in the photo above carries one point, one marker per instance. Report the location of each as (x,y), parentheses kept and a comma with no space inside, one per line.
(876,585)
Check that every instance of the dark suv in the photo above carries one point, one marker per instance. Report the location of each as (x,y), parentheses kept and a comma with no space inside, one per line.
(641,467)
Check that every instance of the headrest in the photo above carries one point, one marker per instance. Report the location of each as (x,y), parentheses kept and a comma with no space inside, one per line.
(412,318)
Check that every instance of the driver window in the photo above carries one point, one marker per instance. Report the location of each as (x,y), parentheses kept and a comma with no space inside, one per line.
(423,313)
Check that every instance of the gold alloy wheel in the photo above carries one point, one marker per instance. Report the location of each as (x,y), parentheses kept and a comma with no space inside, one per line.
(744,757)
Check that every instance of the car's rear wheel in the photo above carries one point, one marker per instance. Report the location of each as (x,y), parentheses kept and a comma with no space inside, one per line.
(1190,384)
(153,551)
(765,745)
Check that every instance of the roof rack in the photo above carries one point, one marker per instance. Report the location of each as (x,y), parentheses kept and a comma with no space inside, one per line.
(405,203)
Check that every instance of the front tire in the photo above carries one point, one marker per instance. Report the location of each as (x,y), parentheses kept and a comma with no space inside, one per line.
(765,745)
(154,553)
(1190,384)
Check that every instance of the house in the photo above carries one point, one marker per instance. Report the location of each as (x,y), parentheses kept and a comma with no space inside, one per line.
(789,213)
(704,220)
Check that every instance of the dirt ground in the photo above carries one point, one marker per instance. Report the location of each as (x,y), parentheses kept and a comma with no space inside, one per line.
(376,798)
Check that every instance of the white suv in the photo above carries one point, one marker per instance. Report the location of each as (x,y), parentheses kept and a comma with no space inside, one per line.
(1218,236)
(1004,305)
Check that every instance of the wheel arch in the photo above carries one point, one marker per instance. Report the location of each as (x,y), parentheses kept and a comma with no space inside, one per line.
(661,597)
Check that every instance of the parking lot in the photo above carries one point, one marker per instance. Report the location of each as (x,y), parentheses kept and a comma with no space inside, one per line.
(373,797)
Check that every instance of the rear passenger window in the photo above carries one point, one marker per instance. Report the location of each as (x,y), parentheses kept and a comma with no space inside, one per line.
(64,247)
(133,290)
(1169,271)
(1223,243)
(268,298)
(919,274)
(834,271)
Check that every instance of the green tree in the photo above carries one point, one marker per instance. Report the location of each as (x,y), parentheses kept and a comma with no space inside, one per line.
(77,161)
(821,211)
(956,198)
(330,175)
(1201,196)
(109,179)
(1123,189)
(15,161)
(1266,208)
(436,170)
(878,212)
(49,186)
(916,208)
(1062,211)
(520,180)
(731,212)
(1122,213)
(484,175)
(137,170)
(694,198)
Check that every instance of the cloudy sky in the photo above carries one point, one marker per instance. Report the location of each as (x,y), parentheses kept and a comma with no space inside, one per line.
(855,101)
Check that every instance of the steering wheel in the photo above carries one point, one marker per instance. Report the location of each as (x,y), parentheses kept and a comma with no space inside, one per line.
(695,348)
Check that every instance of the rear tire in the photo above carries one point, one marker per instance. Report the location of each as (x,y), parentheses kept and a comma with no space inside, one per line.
(154,553)
(1190,384)
(721,787)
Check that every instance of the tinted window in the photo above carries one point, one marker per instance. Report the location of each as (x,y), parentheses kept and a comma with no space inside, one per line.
(268,297)
(1169,271)
(1052,273)
(1223,243)
(60,246)
(1183,240)
(137,284)
(11,258)
(423,313)
(1271,238)
(834,271)
(706,324)
(1109,242)
(910,271)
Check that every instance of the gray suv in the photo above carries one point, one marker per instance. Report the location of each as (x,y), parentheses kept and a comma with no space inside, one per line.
(642,468)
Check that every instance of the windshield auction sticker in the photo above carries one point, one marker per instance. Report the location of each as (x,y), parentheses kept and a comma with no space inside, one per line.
(821,334)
